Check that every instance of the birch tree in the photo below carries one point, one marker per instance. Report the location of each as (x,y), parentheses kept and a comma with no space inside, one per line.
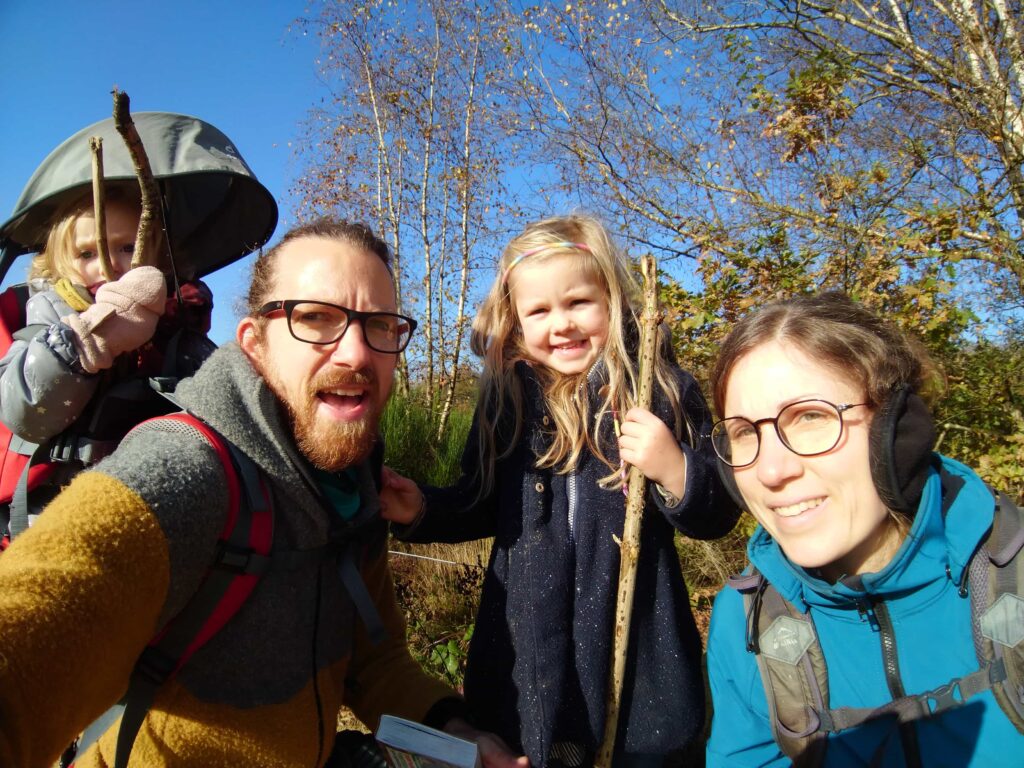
(945,81)
(404,143)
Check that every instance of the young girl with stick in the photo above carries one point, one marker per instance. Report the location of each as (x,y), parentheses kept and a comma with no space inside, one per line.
(67,376)
(544,473)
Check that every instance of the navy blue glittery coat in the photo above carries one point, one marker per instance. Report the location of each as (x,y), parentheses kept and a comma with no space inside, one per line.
(540,655)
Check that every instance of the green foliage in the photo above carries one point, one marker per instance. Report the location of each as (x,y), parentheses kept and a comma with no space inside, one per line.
(980,418)
(450,655)
(439,599)
(411,447)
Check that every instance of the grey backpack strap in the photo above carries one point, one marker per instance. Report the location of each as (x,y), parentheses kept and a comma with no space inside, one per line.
(792,667)
(18,522)
(352,579)
(997,607)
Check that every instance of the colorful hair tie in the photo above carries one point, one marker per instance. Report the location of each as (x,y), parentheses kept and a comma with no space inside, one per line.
(533,251)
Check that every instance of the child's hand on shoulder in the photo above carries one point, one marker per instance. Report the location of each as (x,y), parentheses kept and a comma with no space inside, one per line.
(400,498)
(646,442)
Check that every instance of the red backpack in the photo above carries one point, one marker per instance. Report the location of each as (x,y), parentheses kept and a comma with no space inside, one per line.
(14,466)
(243,556)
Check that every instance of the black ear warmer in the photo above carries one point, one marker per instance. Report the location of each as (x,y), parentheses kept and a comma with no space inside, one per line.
(901,440)
(900,446)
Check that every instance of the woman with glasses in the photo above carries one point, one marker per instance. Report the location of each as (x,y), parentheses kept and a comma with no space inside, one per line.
(850,639)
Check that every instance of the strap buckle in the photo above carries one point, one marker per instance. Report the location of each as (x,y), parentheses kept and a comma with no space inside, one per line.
(240,559)
(942,698)
(64,448)
(154,666)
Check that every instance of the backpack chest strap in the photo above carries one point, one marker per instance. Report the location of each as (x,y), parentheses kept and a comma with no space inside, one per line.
(792,667)
(910,708)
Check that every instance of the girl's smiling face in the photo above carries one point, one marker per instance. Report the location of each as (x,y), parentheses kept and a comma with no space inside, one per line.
(824,510)
(563,312)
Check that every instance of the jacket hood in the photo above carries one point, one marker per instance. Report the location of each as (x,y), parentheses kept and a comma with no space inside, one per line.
(946,531)
(217,210)
(232,397)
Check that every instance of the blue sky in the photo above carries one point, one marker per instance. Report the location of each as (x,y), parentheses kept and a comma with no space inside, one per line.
(243,66)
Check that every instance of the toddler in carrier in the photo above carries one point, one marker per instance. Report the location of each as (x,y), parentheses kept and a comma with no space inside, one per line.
(76,380)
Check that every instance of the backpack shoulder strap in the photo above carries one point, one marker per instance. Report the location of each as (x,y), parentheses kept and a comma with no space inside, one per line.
(792,667)
(795,679)
(243,556)
(996,577)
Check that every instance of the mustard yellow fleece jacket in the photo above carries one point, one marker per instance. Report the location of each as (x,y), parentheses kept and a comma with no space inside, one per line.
(122,549)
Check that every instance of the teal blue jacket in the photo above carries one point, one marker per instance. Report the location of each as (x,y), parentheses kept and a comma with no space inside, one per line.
(933,638)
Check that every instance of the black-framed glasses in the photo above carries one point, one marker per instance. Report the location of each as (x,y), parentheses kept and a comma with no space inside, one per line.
(317,322)
(807,428)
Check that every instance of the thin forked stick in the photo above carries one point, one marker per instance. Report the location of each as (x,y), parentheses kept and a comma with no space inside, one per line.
(151,213)
(99,207)
(629,547)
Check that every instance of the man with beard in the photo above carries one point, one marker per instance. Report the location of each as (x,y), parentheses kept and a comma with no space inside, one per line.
(124,547)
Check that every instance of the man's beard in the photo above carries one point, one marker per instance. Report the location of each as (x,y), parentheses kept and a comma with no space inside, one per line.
(328,444)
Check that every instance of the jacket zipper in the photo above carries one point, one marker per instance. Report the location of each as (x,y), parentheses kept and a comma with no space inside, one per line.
(876,612)
(570,488)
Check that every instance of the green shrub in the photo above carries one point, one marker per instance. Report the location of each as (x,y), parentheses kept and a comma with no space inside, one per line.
(439,598)
(412,447)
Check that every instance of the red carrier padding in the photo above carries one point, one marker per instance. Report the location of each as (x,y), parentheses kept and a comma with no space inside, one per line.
(260,539)
(12,318)
(242,557)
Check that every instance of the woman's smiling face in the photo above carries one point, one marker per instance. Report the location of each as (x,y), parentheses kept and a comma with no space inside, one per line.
(824,511)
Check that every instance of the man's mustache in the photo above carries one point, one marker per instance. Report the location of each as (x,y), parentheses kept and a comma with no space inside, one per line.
(343,378)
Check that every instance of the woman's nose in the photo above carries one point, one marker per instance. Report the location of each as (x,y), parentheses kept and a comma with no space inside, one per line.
(775,462)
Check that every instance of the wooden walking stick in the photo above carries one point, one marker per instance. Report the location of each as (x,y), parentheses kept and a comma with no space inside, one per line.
(152,215)
(629,547)
(99,209)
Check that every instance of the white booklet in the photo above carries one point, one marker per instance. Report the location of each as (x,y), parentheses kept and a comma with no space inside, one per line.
(412,745)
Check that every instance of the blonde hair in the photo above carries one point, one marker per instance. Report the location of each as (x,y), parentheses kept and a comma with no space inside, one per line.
(498,339)
(57,259)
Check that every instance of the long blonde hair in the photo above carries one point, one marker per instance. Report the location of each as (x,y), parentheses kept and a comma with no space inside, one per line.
(498,339)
